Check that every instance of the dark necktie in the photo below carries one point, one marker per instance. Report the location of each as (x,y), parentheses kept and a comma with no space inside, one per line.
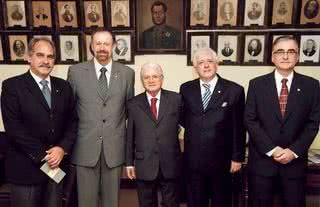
(103,81)
(154,107)
(206,96)
(46,91)
(283,98)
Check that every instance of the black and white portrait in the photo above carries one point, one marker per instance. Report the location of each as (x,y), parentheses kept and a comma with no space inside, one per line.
(309,45)
(67,13)
(41,11)
(93,13)
(69,47)
(227,48)
(254,48)
(199,12)
(310,12)
(18,47)
(122,48)
(254,12)
(227,12)
(120,13)
(282,11)
(196,41)
(16,14)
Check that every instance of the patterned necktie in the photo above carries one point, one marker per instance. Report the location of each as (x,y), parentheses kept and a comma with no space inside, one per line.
(46,91)
(103,81)
(283,98)
(154,107)
(206,96)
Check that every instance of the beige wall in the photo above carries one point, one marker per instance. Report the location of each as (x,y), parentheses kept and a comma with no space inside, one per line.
(176,72)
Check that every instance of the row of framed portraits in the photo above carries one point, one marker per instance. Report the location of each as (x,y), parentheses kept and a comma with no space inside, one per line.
(251,48)
(68,14)
(233,48)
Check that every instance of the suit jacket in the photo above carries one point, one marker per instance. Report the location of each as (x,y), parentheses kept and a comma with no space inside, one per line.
(32,127)
(268,129)
(102,122)
(227,53)
(215,136)
(153,143)
(169,38)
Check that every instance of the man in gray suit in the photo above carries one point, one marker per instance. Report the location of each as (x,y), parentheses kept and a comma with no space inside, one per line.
(102,88)
(152,146)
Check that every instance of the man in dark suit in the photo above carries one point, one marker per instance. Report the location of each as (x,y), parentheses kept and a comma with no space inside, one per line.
(227,50)
(310,48)
(161,35)
(41,124)
(214,132)
(282,116)
(152,146)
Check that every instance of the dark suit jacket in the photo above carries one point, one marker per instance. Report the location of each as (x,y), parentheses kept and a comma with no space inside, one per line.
(32,127)
(268,129)
(169,38)
(215,136)
(226,53)
(152,144)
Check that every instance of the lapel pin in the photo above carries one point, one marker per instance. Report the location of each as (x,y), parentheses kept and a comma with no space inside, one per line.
(298,89)
(219,91)
(57,91)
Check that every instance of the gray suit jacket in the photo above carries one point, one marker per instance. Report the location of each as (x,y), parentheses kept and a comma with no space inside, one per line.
(101,121)
(153,144)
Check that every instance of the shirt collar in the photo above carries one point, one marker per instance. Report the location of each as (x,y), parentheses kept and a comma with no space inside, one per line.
(212,82)
(149,97)
(38,79)
(98,66)
(279,77)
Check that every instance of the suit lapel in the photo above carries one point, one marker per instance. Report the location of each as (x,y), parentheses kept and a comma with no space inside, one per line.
(114,76)
(163,105)
(272,95)
(195,94)
(144,105)
(55,94)
(293,96)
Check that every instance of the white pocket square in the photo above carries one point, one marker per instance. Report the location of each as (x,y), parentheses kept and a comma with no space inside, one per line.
(224,104)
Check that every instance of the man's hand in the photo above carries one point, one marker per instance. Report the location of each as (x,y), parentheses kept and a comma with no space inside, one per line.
(131,172)
(235,166)
(277,152)
(285,156)
(54,156)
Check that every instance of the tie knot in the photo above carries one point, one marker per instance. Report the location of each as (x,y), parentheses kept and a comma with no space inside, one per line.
(103,70)
(44,82)
(284,81)
(154,100)
(206,86)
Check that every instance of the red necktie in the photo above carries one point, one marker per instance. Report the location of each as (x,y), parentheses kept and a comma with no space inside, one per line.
(283,98)
(154,107)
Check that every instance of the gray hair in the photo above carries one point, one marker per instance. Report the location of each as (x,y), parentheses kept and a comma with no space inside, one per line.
(148,66)
(204,51)
(35,40)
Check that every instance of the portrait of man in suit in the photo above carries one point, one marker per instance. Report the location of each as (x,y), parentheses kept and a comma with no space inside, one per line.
(67,14)
(255,11)
(311,9)
(40,121)
(226,11)
(214,138)
(281,133)
(16,12)
(121,48)
(254,47)
(92,13)
(309,47)
(199,11)
(152,147)
(282,8)
(227,50)
(102,89)
(41,15)
(68,48)
(160,35)
(19,48)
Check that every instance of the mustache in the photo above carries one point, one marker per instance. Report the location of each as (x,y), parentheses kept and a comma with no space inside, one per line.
(102,51)
(45,65)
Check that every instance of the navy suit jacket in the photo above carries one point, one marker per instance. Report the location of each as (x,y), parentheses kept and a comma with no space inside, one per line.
(268,129)
(215,136)
(32,127)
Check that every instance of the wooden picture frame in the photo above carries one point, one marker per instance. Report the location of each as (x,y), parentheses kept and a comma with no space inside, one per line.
(199,14)
(69,48)
(93,14)
(67,14)
(169,38)
(227,13)
(123,50)
(16,14)
(2,58)
(309,49)
(310,12)
(87,41)
(197,40)
(41,14)
(255,13)
(283,12)
(254,49)
(228,48)
(18,45)
(121,14)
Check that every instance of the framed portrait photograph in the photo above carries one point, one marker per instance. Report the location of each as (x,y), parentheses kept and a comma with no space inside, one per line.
(197,40)
(282,12)
(16,14)
(42,35)
(67,14)
(254,49)
(310,12)
(122,51)
(309,49)
(69,48)
(160,26)
(88,55)
(120,13)
(199,13)
(254,13)
(93,14)
(228,48)
(227,12)
(18,47)
(41,14)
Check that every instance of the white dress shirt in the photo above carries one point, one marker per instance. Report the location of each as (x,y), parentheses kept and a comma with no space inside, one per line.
(212,83)
(38,79)
(98,66)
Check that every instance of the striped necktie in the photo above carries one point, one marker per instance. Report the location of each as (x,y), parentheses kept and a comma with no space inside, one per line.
(283,98)
(206,96)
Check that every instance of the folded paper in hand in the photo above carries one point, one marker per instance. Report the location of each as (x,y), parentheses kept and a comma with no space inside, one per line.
(55,174)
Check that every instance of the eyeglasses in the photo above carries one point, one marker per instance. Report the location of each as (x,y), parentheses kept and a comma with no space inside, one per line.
(282,53)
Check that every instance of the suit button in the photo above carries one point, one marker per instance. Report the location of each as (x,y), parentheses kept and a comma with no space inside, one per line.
(51,116)
(104,121)
(155,152)
(104,104)
(52,131)
(100,137)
